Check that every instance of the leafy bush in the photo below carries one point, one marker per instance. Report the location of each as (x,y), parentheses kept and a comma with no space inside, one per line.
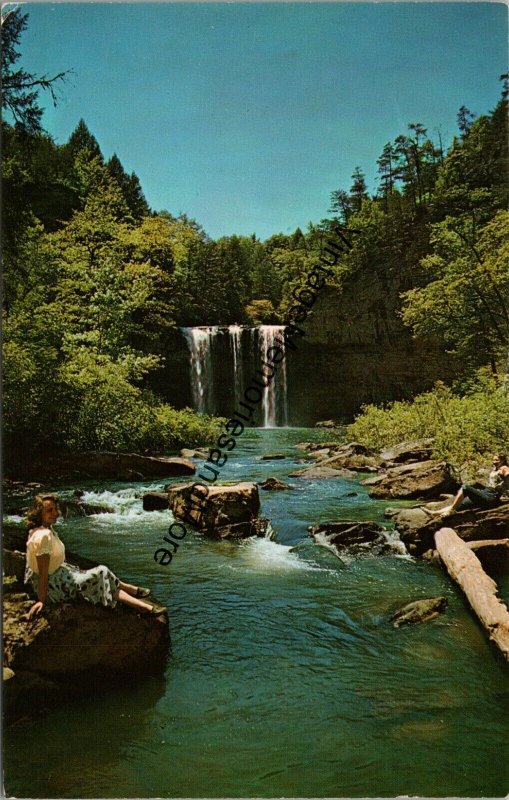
(465,429)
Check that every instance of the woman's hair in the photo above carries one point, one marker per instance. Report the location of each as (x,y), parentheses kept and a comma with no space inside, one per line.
(34,514)
(503,458)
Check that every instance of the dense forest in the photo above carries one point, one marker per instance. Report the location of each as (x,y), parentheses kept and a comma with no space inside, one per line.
(95,280)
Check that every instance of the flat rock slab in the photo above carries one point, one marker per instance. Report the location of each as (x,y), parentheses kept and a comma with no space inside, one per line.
(322,472)
(418,450)
(109,466)
(210,507)
(73,648)
(423,479)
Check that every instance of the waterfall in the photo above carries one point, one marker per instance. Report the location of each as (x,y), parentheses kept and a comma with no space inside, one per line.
(222,366)
(235,336)
(199,342)
(274,401)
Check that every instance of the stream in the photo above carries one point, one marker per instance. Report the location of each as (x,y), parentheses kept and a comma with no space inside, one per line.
(286,677)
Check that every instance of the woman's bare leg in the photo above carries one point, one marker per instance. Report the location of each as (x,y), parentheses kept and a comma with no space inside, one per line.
(127,587)
(124,597)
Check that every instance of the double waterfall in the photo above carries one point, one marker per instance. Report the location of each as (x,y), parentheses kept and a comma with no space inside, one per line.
(223,361)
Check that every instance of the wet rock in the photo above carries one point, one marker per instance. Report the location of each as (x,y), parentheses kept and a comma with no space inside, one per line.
(409,481)
(272,456)
(155,501)
(274,485)
(242,530)
(419,611)
(220,506)
(353,538)
(322,472)
(344,534)
(418,450)
(71,649)
(77,508)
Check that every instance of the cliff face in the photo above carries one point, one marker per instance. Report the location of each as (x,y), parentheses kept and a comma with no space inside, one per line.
(355,350)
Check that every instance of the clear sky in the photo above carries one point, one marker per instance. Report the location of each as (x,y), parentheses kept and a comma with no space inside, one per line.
(246,116)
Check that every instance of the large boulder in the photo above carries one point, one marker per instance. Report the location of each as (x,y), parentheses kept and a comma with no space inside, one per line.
(221,508)
(417,526)
(415,480)
(72,649)
(418,450)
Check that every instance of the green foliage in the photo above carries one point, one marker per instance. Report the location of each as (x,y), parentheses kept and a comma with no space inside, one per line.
(466,429)
(466,298)
(260,312)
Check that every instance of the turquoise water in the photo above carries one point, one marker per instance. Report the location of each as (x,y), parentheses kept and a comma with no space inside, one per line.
(286,678)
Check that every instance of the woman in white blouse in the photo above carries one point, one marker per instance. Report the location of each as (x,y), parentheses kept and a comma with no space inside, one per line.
(55,580)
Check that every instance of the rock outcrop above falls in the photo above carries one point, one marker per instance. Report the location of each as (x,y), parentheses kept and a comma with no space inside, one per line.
(219,511)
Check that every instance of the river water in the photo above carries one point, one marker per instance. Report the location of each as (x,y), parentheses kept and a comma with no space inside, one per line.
(286,678)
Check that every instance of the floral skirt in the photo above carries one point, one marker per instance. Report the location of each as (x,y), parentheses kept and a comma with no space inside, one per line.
(97,585)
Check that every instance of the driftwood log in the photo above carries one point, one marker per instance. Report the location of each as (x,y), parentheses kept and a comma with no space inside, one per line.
(481,591)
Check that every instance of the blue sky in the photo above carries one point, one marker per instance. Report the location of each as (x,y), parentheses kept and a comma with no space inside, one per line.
(247,115)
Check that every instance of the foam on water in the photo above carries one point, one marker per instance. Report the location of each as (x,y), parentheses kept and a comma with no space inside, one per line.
(127,505)
(268,556)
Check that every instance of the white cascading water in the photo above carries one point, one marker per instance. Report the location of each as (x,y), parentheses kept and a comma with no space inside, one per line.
(199,342)
(235,336)
(274,394)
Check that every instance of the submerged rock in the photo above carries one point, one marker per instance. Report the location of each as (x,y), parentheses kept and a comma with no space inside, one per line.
(74,649)
(272,456)
(419,611)
(210,508)
(274,485)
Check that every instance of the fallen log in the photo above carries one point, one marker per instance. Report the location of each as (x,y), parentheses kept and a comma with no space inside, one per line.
(481,591)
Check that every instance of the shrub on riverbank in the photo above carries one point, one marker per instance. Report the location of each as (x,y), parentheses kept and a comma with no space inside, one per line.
(466,429)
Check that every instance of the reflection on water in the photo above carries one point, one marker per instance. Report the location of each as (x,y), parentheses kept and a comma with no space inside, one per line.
(286,678)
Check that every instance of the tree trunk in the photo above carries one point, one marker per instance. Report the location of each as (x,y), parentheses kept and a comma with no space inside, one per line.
(481,591)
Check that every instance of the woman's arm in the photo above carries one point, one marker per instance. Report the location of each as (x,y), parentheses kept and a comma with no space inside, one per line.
(42,588)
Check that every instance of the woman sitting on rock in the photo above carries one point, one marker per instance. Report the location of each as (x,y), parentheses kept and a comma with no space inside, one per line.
(482,497)
(56,581)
